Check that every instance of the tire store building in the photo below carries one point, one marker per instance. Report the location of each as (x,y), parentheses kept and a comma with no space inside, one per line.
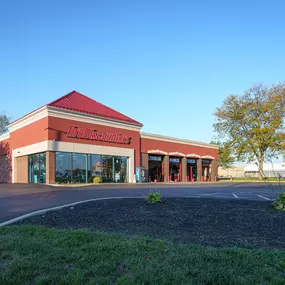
(75,139)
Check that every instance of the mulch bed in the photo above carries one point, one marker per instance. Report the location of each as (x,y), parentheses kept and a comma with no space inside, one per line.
(210,222)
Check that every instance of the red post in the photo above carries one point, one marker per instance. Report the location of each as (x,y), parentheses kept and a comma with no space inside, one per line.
(191,173)
(157,172)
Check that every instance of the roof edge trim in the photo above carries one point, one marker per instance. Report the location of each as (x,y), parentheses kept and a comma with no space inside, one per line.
(49,111)
(28,119)
(61,110)
(177,140)
(207,157)
(193,155)
(5,136)
(157,151)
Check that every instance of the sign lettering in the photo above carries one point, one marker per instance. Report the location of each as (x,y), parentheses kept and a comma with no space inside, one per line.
(94,135)
(174,160)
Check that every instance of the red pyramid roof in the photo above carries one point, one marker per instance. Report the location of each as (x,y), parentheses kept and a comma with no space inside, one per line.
(78,102)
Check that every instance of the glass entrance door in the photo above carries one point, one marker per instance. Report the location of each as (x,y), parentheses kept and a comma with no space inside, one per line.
(120,169)
(37,168)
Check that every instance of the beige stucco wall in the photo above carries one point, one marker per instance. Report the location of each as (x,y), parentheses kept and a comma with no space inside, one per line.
(21,169)
(237,171)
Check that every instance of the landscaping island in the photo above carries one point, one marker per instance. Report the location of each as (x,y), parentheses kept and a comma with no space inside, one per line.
(178,241)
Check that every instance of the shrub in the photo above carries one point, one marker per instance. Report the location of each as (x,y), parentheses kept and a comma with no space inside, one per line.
(97,180)
(90,179)
(154,198)
(279,204)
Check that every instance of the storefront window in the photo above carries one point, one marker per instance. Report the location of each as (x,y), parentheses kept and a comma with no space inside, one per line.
(79,168)
(109,168)
(121,169)
(95,168)
(101,166)
(63,167)
(37,168)
(82,168)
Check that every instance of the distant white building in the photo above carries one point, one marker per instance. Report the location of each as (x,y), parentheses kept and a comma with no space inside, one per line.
(235,171)
(269,169)
(251,170)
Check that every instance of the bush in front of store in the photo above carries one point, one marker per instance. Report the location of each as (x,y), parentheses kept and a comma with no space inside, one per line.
(279,204)
(154,198)
(97,180)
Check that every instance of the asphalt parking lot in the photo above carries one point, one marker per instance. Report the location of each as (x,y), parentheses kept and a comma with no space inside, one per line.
(19,199)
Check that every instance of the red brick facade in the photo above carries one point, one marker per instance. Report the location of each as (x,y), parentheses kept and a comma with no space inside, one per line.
(94,126)
(151,144)
(58,128)
(167,147)
(30,134)
(5,162)
(5,169)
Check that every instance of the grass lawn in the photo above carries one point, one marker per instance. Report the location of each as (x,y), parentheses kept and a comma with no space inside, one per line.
(272,179)
(40,255)
(128,241)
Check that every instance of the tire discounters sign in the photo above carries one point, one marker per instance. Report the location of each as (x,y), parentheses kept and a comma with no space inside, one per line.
(94,135)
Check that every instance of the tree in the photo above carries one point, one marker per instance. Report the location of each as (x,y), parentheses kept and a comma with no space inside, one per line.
(4,122)
(253,124)
(226,158)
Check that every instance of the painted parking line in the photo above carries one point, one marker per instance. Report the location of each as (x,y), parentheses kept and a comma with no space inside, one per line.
(218,193)
(264,197)
(240,196)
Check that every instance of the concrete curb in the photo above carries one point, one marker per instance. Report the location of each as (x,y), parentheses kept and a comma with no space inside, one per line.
(39,212)
(131,184)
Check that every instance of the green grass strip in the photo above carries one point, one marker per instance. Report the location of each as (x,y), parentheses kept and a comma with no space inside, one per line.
(38,255)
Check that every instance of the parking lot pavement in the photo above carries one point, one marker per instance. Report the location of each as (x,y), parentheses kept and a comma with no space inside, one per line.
(19,199)
(243,196)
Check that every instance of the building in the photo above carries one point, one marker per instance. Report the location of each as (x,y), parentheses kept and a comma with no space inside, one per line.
(251,170)
(75,138)
(235,171)
(269,170)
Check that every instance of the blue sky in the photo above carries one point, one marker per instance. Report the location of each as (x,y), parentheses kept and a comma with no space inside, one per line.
(167,64)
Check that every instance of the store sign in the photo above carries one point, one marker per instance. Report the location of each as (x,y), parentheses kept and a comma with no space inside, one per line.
(191,161)
(206,162)
(89,134)
(174,160)
(154,158)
